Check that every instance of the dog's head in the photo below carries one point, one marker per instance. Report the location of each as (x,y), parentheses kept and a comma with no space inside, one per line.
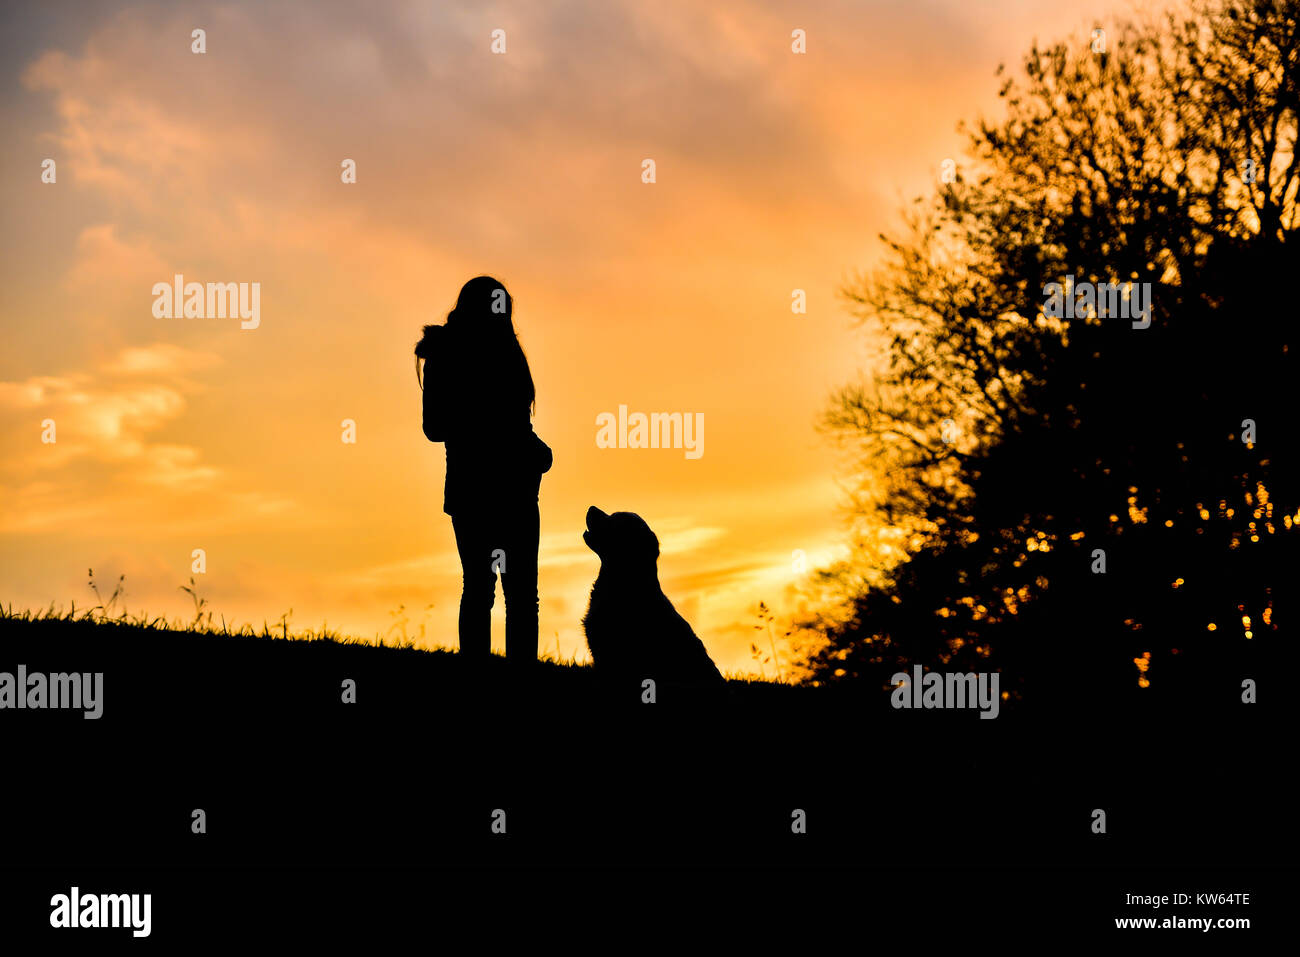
(621,539)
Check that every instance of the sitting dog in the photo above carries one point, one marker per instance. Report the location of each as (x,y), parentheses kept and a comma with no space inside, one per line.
(632,629)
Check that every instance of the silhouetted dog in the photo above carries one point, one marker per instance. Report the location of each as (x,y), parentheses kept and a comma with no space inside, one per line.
(633,630)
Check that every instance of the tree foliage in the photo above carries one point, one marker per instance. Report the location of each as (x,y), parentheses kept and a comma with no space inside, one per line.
(1004,446)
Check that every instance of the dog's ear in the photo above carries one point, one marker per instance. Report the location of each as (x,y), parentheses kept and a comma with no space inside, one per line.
(646,538)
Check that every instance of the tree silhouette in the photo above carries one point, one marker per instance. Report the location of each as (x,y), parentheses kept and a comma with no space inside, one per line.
(999,447)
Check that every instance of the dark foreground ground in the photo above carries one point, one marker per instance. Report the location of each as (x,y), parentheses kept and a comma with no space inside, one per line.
(254,732)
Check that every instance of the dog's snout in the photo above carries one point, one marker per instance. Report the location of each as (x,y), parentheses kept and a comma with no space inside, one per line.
(594,517)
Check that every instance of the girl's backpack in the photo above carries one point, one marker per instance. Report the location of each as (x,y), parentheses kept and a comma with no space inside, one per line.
(432,354)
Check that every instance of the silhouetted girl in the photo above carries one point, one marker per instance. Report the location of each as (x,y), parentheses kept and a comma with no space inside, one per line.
(478,399)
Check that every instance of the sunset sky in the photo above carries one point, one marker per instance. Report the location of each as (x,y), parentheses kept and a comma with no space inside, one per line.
(775,171)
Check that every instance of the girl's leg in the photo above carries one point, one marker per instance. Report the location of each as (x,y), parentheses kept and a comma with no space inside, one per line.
(479,585)
(521,532)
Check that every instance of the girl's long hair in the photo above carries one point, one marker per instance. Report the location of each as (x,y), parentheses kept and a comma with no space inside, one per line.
(483,326)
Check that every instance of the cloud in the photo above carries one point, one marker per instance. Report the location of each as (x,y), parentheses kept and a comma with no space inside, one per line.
(160,359)
(106,455)
(88,420)
(105,262)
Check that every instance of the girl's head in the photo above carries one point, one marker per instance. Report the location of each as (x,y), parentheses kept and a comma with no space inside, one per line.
(484,309)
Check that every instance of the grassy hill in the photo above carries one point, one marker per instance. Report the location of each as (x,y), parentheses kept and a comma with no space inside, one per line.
(254,731)
(280,670)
